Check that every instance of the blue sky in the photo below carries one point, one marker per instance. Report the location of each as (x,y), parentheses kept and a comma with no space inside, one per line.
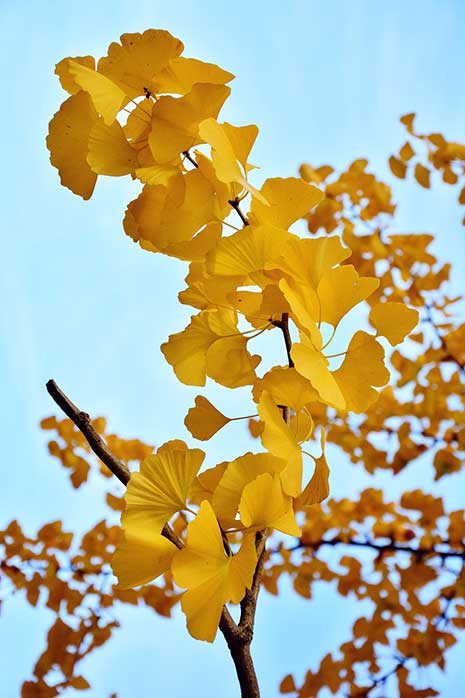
(326,82)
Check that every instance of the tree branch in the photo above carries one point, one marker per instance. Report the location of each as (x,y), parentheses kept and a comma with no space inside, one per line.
(249,602)
(236,639)
(84,423)
(235,204)
(380,548)
(189,157)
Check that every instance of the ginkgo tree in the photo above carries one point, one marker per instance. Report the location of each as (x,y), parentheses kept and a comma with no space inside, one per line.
(212,536)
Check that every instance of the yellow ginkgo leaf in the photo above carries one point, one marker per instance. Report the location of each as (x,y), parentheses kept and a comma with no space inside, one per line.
(108,98)
(362,368)
(264,505)
(161,488)
(231,146)
(207,291)
(204,420)
(289,199)
(278,440)
(340,290)
(273,303)
(301,426)
(66,79)
(237,474)
(141,557)
(260,307)
(307,260)
(166,214)
(318,175)
(393,321)
(109,152)
(305,307)
(206,483)
(181,74)
(67,141)
(175,120)
(311,364)
(139,59)
(287,387)
(173,213)
(317,488)
(211,345)
(211,577)
(251,249)
(230,364)
(139,123)
(157,174)
(200,245)
(186,351)
(422,175)
(221,192)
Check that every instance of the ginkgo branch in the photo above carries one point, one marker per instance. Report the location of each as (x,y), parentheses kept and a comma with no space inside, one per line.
(379,547)
(189,157)
(235,204)
(237,640)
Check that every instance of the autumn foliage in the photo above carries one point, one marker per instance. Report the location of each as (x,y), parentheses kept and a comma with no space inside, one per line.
(385,387)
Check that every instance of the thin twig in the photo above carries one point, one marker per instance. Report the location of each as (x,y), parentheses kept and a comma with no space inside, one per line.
(283,325)
(189,157)
(380,548)
(235,204)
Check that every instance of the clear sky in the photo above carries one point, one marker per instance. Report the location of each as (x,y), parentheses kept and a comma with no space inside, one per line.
(326,82)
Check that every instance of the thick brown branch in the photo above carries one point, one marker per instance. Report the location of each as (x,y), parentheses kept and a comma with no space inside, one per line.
(240,639)
(249,602)
(240,653)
